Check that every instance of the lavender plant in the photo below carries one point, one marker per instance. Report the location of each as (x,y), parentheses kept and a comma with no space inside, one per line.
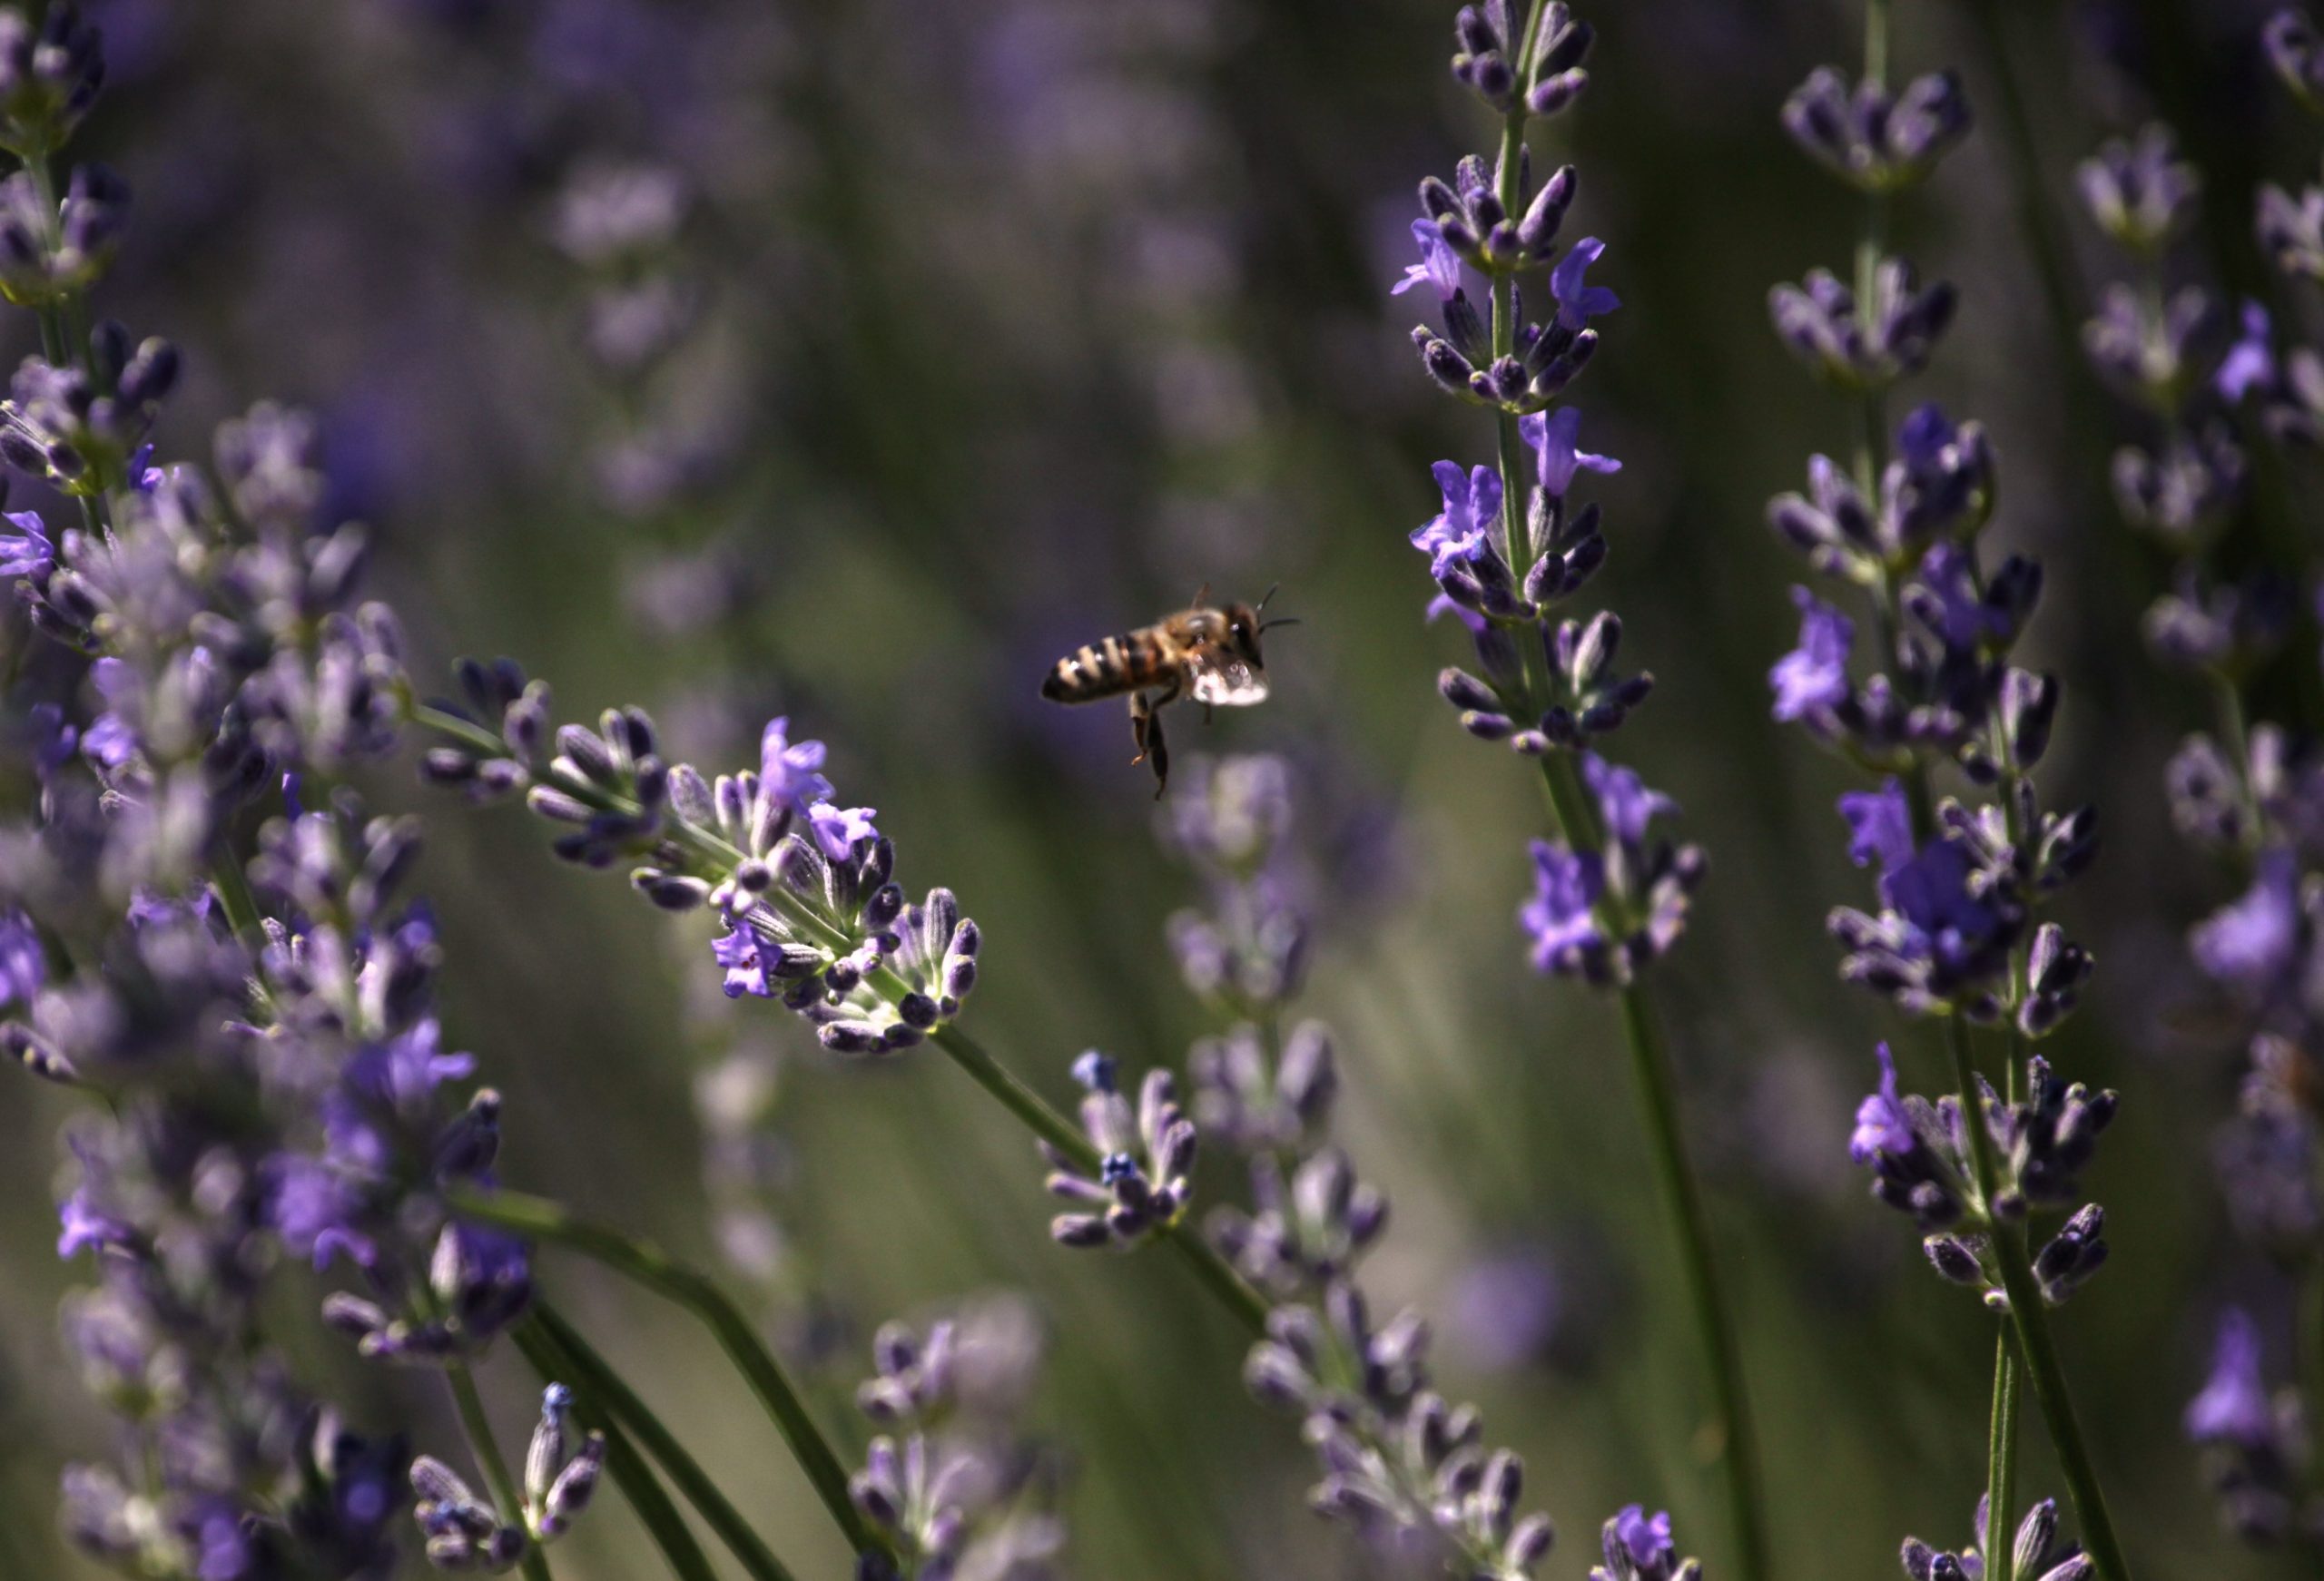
(212,947)
(1957,934)
(2243,791)
(1508,549)
(254,1024)
(1400,1465)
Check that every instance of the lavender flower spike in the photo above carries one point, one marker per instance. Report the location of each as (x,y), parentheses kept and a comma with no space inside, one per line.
(954,1487)
(1143,1184)
(2254,1440)
(561,1466)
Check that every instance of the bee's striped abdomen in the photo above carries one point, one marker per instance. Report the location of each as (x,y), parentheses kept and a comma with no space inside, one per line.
(1108,669)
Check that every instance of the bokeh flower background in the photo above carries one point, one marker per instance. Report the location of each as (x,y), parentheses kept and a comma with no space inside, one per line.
(850,361)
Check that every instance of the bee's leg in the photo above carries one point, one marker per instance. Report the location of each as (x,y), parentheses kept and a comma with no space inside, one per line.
(1157,752)
(1146,728)
(1141,717)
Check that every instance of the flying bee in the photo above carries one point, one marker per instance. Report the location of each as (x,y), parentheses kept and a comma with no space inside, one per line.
(1210,652)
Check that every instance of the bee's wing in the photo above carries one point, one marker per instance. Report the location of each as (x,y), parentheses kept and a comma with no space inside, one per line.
(1224,680)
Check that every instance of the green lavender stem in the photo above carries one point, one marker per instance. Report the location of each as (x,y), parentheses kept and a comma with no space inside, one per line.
(638,1484)
(2036,216)
(540,1219)
(591,1374)
(1731,1433)
(63,336)
(2028,1318)
(487,1450)
(1658,1098)
(2235,735)
(233,887)
(1515,549)
(2311,1330)
(2001,1462)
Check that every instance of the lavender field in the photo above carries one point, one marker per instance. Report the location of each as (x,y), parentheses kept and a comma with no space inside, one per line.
(991,790)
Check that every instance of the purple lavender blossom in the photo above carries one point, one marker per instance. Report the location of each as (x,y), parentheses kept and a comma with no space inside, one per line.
(1881,1123)
(1552,434)
(1647,1538)
(1439,265)
(1577,300)
(1914,1150)
(1943,934)
(28,552)
(2250,363)
(1813,677)
(2251,943)
(23,964)
(1637,1546)
(1639,887)
(1460,533)
(2233,1407)
(1624,800)
(1558,917)
(791,772)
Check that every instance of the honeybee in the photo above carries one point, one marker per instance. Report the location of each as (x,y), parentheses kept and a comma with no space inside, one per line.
(1210,652)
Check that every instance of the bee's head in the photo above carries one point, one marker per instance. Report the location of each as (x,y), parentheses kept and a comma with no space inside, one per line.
(1243,628)
(1245,623)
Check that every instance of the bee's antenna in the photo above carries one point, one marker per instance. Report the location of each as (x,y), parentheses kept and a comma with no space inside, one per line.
(1287,620)
(1262,605)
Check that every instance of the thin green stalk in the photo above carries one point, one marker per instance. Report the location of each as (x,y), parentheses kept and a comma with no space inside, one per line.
(2311,1330)
(1577,822)
(1735,1447)
(592,1374)
(1515,548)
(505,1501)
(2237,738)
(2009,1381)
(233,887)
(655,1513)
(540,1219)
(63,336)
(2036,216)
(2001,1462)
(2029,1317)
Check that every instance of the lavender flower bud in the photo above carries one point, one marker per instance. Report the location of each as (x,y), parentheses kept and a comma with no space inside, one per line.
(2076,1252)
(2293,50)
(1956,1259)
